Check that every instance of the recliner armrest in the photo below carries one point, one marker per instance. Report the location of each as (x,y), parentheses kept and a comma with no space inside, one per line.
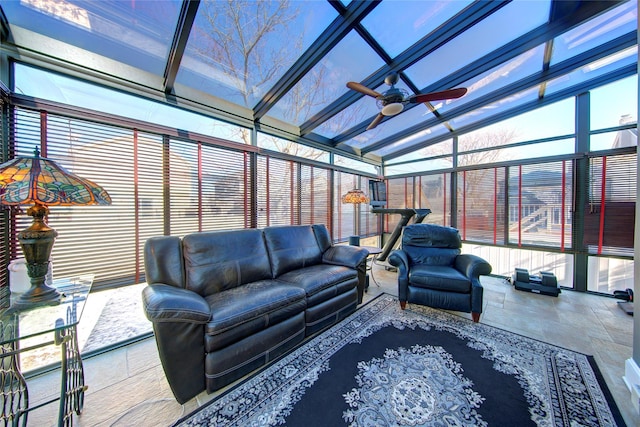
(348,256)
(472,266)
(398,258)
(165,303)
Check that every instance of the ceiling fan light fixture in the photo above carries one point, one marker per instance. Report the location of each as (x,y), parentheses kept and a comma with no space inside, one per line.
(392,109)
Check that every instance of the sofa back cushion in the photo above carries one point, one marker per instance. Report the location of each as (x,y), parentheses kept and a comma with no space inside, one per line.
(292,247)
(431,244)
(219,260)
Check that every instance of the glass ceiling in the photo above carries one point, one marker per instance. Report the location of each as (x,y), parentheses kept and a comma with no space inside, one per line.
(283,65)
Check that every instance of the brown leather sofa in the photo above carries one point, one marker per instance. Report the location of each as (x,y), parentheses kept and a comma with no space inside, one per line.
(224,303)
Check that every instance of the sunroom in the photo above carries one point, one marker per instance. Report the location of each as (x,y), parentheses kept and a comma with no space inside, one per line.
(210,115)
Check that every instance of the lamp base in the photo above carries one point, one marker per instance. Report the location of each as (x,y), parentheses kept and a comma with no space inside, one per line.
(36,243)
(39,295)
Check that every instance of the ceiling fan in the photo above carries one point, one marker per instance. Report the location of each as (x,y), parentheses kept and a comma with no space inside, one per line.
(392,102)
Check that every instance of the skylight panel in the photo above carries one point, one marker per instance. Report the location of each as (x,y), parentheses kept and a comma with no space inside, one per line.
(595,32)
(415,139)
(390,127)
(496,30)
(594,69)
(498,77)
(398,25)
(350,60)
(238,50)
(356,113)
(137,34)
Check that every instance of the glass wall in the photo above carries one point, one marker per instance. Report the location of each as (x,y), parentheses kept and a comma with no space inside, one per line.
(165,184)
(523,195)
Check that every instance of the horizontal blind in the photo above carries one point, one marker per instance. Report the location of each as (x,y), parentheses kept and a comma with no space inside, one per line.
(370,222)
(182,170)
(103,240)
(540,204)
(224,193)
(343,213)
(610,212)
(433,192)
(149,191)
(315,201)
(277,204)
(159,185)
(399,196)
(5,229)
(480,215)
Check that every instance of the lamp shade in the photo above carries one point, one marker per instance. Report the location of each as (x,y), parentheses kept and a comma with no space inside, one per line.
(38,180)
(355,197)
(41,182)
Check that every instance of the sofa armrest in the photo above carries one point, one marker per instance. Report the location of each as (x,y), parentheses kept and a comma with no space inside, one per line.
(348,256)
(472,266)
(399,259)
(179,317)
(165,303)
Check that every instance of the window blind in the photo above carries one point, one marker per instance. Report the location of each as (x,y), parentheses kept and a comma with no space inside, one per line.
(433,192)
(480,215)
(540,204)
(315,197)
(610,212)
(276,192)
(159,185)
(103,240)
(5,229)
(343,214)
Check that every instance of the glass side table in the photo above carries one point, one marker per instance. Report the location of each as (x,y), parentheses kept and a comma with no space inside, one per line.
(20,325)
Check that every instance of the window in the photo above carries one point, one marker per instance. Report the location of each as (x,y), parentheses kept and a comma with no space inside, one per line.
(434,192)
(540,204)
(610,211)
(481,205)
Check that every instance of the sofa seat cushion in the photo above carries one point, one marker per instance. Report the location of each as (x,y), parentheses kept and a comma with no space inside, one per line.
(243,311)
(322,282)
(439,278)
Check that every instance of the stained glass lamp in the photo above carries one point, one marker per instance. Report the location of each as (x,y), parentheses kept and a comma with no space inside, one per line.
(40,182)
(355,197)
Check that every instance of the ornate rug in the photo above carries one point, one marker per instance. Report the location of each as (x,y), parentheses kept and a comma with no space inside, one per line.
(420,367)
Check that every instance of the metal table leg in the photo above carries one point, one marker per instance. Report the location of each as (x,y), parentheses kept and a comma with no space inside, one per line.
(72,386)
(13,386)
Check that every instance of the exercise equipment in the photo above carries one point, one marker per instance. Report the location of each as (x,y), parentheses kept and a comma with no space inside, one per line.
(627,304)
(407,214)
(545,283)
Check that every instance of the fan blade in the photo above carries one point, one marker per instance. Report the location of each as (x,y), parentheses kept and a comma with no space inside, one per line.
(363,89)
(375,121)
(437,96)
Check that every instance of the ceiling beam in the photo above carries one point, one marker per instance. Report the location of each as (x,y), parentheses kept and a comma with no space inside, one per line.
(621,73)
(461,22)
(179,43)
(560,69)
(535,37)
(329,38)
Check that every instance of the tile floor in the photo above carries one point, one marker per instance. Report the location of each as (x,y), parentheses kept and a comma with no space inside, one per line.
(127,385)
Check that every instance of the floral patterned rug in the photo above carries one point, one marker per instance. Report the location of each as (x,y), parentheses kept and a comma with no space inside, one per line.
(383,366)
